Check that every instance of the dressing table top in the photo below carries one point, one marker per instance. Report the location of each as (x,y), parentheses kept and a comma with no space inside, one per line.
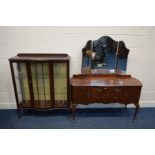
(104,80)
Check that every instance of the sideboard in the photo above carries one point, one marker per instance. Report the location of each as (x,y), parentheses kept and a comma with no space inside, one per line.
(105,88)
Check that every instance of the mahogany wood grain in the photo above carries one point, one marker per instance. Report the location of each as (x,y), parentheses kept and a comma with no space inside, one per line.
(105,88)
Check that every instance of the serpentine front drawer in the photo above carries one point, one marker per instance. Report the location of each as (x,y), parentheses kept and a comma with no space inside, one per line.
(101,88)
(125,95)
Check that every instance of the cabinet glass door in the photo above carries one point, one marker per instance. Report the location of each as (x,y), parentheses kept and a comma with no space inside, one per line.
(60,84)
(41,85)
(21,79)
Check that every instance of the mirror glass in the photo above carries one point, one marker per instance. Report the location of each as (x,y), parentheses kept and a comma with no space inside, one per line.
(104,54)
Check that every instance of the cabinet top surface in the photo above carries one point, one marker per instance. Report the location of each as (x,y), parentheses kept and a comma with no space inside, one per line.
(105,80)
(40,57)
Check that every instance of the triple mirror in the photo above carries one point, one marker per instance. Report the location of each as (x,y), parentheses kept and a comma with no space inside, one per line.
(104,55)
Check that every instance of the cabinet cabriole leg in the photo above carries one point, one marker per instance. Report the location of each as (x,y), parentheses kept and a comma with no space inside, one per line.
(19,113)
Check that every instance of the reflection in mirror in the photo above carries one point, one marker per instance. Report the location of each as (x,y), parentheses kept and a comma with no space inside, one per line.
(86,57)
(104,54)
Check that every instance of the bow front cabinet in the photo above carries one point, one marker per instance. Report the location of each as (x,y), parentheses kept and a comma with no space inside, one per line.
(41,81)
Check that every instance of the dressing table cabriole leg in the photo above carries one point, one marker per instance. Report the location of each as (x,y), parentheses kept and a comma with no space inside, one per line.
(73,112)
(136,111)
(125,106)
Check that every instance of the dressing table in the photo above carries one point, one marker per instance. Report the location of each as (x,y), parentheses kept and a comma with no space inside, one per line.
(100,83)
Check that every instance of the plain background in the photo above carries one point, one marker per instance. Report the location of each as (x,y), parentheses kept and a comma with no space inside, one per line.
(77,13)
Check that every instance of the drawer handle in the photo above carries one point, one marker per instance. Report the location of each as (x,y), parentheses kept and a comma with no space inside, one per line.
(105,88)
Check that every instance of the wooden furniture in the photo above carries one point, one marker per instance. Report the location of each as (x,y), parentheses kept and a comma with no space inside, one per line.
(105,88)
(103,78)
(41,81)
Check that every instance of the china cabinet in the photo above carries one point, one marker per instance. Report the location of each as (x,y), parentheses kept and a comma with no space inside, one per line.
(41,81)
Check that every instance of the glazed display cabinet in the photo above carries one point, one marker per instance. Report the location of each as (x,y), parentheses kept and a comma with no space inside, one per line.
(41,81)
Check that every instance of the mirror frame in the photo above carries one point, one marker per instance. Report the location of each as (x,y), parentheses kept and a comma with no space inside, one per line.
(119,49)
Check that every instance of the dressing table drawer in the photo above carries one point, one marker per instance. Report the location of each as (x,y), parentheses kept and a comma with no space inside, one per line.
(81,94)
(101,90)
(98,90)
(100,94)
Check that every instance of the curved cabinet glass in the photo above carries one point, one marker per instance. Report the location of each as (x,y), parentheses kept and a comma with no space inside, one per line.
(41,81)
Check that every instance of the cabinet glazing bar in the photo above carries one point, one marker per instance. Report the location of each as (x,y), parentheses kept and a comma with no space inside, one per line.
(51,83)
(30,84)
